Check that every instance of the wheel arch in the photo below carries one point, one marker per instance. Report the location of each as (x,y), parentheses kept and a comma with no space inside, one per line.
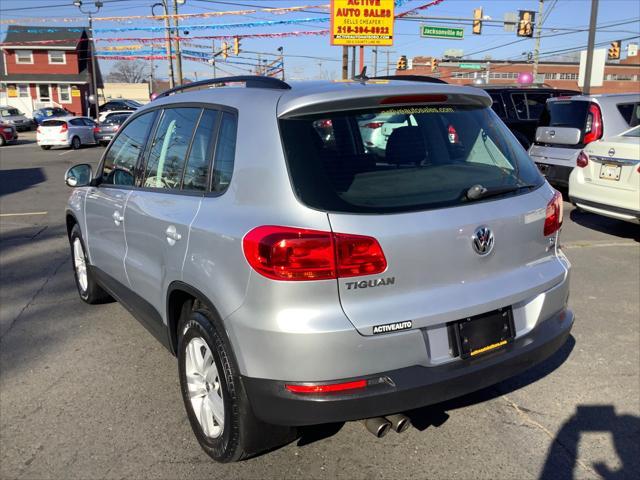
(71,220)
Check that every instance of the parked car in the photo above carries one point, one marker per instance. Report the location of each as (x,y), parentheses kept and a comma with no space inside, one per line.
(568,125)
(105,115)
(606,180)
(301,280)
(520,107)
(67,132)
(13,116)
(49,112)
(376,130)
(106,129)
(8,133)
(119,104)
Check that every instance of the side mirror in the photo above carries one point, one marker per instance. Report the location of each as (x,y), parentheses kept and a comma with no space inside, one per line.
(79,175)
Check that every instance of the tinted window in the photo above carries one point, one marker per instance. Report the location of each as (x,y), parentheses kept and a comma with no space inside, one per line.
(630,112)
(520,104)
(225,153)
(563,113)
(77,122)
(196,174)
(121,159)
(8,112)
(536,103)
(428,161)
(116,119)
(88,122)
(53,123)
(497,105)
(168,151)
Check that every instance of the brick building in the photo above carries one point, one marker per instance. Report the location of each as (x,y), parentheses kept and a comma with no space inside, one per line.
(46,67)
(619,77)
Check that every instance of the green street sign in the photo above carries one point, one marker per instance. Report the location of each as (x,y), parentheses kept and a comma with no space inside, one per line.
(470,66)
(450,33)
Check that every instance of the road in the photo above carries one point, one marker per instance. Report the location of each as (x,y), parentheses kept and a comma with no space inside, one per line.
(86,392)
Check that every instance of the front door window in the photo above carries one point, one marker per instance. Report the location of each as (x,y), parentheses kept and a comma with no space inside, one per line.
(43,93)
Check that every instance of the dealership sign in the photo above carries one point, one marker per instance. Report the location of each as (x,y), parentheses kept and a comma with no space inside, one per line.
(362,22)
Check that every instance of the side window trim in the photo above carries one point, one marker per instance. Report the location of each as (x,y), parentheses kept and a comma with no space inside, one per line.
(214,148)
(141,169)
(214,152)
(188,152)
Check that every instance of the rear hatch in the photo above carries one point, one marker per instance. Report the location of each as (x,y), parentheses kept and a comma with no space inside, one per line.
(415,199)
(615,163)
(53,129)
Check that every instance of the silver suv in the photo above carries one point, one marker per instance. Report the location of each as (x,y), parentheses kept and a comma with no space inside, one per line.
(568,124)
(301,278)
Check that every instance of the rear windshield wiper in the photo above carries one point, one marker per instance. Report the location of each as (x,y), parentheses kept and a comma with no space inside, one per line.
(476,192)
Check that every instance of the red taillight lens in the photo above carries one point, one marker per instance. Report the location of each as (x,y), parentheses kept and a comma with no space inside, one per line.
(374,125)
(553,220)
(453,135)
(63,128)
(332,387)
(582,160)
(96,129)
(285,253)
(593,128)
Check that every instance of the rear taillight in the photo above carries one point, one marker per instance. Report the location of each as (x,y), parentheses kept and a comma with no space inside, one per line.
(582,160)
(294,254)
(553,219)
(374,125)
(96,129)
(593,128)
(63,128)
(452,134)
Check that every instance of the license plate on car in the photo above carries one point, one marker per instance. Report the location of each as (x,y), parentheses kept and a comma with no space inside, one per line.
(106,138)
(610,172)
(483,333)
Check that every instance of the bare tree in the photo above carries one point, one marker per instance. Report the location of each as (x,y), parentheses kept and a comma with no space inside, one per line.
(128,71)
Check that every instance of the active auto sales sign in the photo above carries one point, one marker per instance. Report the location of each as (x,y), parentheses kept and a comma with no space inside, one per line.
(362,22)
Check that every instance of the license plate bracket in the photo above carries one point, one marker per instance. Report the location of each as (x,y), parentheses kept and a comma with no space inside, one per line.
(482,333)
(610,171)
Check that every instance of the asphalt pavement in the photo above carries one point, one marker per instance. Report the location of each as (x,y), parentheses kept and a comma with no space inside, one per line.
(86,392)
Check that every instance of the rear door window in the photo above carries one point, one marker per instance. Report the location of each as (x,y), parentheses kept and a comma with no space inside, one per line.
(630,112)
(77,122)
(225,152)
(196,173)
(168,151)
(497,105)
(431,156)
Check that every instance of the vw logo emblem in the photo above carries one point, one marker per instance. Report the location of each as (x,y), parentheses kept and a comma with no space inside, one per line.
(482,241)
(612,152)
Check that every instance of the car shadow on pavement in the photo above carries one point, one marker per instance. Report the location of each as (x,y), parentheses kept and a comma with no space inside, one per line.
(562,457)
(610,226)
(18,179)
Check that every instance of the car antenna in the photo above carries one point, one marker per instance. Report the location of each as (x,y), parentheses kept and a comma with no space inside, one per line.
(363,76)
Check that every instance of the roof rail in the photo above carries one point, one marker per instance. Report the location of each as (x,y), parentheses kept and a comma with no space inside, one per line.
(250,81)
(410,78)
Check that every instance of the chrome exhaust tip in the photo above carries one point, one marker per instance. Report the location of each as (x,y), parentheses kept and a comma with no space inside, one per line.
(399,422)
(377,426)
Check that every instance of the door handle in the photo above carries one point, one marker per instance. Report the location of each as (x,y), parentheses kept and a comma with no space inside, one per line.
(172,235)
(117,217)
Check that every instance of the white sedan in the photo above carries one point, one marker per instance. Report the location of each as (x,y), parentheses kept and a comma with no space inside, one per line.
(606,180)
(66,132)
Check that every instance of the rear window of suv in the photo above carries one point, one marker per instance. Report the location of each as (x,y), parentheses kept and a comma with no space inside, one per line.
(561,113)
(402,159)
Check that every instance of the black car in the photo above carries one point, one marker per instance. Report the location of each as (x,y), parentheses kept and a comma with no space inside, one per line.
(107,129)
(120,104)
(520,107)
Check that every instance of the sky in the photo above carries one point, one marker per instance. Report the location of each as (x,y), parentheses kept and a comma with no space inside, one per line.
(565,24)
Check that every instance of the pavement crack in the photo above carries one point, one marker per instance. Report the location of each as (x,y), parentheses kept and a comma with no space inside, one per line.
(546,431)
(34,297)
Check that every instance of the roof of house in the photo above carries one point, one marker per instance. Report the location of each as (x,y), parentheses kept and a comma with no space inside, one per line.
(24,35)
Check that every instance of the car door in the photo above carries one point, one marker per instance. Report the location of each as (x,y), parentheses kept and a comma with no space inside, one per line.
(76,129)
(160,212)
(105,203)
(89,132)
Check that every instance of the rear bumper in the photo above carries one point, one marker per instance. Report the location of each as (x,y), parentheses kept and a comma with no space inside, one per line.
(555,174)
(612,211)
(54,142)
(411,387)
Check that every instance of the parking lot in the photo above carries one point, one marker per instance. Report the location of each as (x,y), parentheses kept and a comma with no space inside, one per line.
(86,392)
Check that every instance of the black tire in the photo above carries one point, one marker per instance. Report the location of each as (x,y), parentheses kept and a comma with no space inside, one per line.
(3,142)
(75,143)
(45,147)
(243,435)
(94,293)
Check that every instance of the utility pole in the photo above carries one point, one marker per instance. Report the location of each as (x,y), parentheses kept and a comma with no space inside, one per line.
(586,90)
(375,60)
(281,50)
(345,63)
(92,51)
(388,52)
(167,36)
(536,50)
(177,41)
(361,59)
(213,57)
(353,62)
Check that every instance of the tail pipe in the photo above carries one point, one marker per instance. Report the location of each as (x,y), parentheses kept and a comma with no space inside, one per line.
(399,422)
(377,426)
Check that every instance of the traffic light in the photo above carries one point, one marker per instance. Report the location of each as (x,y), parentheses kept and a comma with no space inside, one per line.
(434,64)
(477,21)
(225,50)
(614,50)
(236,46)
(525,24)
(402,63)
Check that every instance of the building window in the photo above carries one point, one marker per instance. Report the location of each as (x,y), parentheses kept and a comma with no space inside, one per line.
(23,90)
(24,56)
(57,56)
(64,93)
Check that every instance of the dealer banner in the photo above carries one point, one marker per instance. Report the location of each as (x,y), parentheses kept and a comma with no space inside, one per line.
(362,22)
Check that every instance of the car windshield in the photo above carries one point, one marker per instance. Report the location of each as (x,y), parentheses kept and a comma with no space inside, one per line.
(10,112)
(402,159)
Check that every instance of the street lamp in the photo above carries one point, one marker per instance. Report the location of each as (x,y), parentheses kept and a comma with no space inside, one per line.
(167,26)
(94,84)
